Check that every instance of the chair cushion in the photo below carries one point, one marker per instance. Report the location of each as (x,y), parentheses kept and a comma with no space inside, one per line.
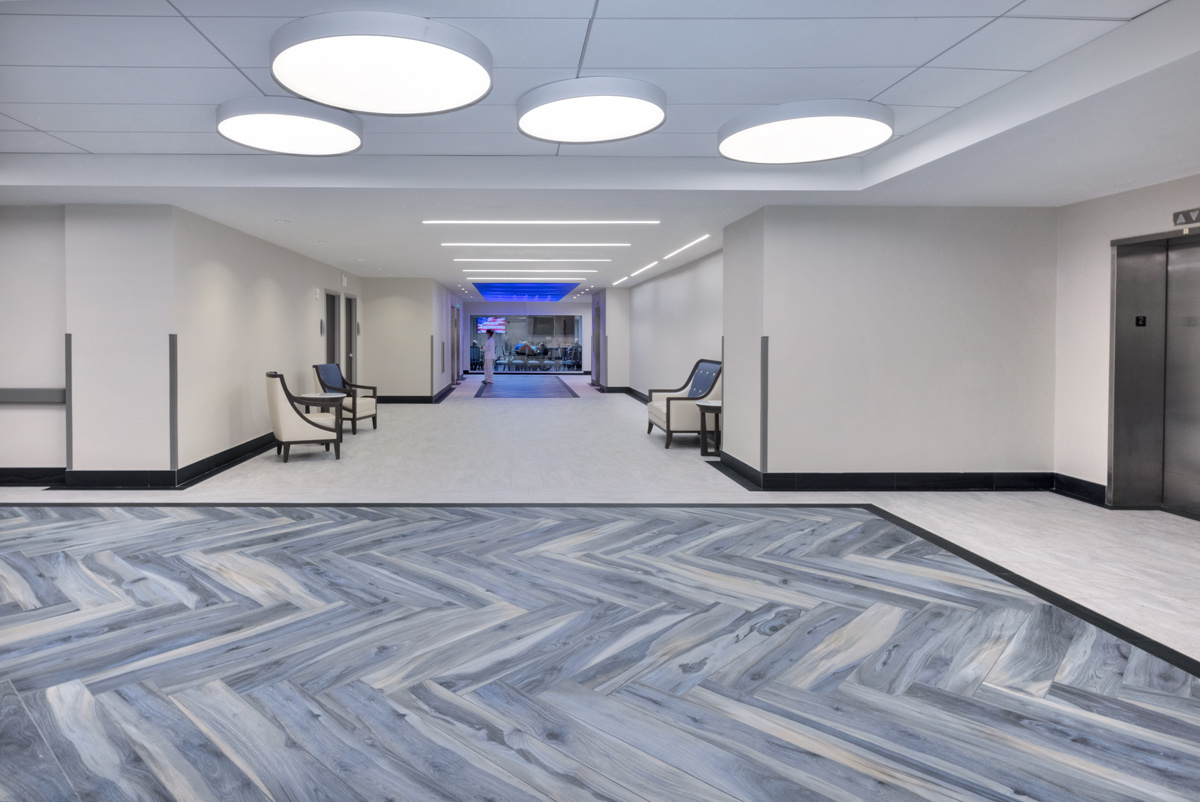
(331,375)
(658,413)
(322,418)
(703,378)
(366,406)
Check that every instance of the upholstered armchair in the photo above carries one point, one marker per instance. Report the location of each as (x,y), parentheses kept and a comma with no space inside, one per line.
(293,427)
(361,399)
(675,411)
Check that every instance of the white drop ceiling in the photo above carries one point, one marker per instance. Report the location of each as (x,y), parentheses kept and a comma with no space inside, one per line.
(114,101)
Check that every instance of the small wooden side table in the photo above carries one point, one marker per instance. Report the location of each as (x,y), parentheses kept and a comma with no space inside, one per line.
(713,408)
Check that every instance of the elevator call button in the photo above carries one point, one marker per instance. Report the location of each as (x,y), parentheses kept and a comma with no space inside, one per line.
(1140,320)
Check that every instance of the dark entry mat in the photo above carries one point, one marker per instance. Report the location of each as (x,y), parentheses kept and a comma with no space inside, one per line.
(527,387)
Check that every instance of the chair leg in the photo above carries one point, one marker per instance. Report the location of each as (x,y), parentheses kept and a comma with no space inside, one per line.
(278,449)
(668,445)
(375,421)
(327,446)
(337,449)
(354,426)
(649,428)
(287,447)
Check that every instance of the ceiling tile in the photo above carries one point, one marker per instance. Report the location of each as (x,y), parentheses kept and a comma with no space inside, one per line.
(563,9)
(112,117)
(1022,44)
(1085,9)
(120,85)
(105,42)
(482,118)
(634,44)
(246,41)
(110,142)
(764,86)
(512,144)
(933,86)
(33,142)
(666,145)
(11,124)
(698,119)
(785,9)
(910,118)
(116,8)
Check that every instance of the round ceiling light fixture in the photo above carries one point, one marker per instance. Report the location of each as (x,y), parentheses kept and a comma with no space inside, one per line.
(289,125)
(805,131)
(593,109)
(381,63)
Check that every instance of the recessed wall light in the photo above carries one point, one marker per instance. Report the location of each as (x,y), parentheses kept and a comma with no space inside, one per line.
(288,125)
(806,131)
(381,62)
(647,267)
(685,247)
(592,109)
(540,222)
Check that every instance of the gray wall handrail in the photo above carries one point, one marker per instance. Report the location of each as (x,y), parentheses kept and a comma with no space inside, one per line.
(33,395)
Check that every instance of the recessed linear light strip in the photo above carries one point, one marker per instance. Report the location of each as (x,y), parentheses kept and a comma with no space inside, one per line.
(618,281)
(535,244)
(685,247)
(522,278)
(533,260)
(647,267)
(564,270)
(540,222)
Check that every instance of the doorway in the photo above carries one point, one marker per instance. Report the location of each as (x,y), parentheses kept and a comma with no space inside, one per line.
(331,327)
(1154,398)
(351,372)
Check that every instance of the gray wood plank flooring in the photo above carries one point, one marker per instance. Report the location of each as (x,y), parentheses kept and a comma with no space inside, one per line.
(573,654)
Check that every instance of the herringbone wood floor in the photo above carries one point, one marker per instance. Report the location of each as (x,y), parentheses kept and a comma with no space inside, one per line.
(566,653)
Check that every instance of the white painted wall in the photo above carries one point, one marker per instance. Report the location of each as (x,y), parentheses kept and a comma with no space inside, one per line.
(909,339)
(242,307)
(442,368)
(398,319)
(742,323)
(120,309)
(497,308)
(32,324)
(1084,312)
(675,319)
(616,333)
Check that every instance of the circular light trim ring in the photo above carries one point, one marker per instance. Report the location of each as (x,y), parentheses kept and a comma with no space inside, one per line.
(806,131)
(381,63)
(289,125)
(593,109)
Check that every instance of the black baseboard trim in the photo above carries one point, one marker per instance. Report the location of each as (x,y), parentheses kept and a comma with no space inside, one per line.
(404,399)
(32,477)
(120,480)
(1079,489)
(941,481)
(210,466)
(441,395)
(638,394)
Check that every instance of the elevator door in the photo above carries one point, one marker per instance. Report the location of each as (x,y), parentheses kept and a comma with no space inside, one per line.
(1181,424)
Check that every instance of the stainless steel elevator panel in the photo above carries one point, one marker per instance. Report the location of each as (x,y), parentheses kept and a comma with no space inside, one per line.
(1135,457)
(1181,441)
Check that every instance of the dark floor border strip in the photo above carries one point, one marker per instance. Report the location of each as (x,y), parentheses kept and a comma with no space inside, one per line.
(1143,642)
(32,477)
(567,386)
(530,373)
(1160,650)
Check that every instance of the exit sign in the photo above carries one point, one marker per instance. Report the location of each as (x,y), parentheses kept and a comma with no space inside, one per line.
(1187,217)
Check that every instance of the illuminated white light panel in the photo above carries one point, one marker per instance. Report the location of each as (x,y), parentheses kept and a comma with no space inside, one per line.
(685,247)
(522,278)
(647,267)
(535,244)
(533,260)
(524,270)
(540,222)
(618,281)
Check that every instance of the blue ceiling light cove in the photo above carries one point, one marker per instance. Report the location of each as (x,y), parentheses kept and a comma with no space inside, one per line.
(524,291)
